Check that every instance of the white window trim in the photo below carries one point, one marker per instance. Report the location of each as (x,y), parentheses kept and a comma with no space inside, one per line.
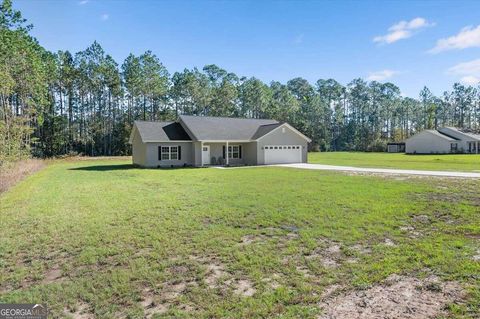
(230,151)
(169,153)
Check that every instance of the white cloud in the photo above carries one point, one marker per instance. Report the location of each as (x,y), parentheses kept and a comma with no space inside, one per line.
(381,75)
(104,16)
(470,80)
(468,37)
(82,2)
(469,72)
(403,30)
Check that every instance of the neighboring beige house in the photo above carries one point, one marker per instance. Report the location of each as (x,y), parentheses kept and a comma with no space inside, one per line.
(204,140)
(442,141)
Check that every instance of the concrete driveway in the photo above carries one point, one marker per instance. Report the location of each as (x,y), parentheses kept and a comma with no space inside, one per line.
(380,170)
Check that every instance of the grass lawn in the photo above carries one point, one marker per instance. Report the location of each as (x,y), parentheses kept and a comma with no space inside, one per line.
(448,162)
(99,238)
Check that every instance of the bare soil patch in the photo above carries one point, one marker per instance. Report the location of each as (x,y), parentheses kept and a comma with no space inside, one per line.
(398,297)
(328,253)
(269,233)
(216,277)
(54,274)
(81,311)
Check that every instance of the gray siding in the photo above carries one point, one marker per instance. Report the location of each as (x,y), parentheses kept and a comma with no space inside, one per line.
(186,157)
(197,153)
(280,137)
(427,143)
(250,153)
(138,150)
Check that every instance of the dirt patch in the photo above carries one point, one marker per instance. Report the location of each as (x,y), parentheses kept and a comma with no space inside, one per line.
(389,242)
(215,272)
(476,257)
(158,301)
(81,311)
(273,281)
(243,287)
(328,253)
(398,297)
(53,275)
(151,303)
(272,233)
(216,277)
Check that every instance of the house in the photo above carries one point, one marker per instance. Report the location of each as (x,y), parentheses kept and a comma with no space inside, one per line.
(204,140)
(443,140)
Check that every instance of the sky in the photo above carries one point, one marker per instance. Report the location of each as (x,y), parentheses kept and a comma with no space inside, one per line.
(409,43)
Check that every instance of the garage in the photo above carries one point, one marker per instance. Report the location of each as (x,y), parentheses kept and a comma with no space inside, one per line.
(282,154)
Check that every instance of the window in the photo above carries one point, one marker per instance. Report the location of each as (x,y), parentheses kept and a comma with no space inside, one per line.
(234,151)
(205,149)
(167,153)
(174,153)
(453,147)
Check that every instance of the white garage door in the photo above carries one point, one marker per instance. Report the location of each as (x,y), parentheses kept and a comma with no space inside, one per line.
(282,154)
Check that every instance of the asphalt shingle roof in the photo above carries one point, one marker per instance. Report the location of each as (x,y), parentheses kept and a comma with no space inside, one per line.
(442,135)
(206,128)
(161,131)
(264,129)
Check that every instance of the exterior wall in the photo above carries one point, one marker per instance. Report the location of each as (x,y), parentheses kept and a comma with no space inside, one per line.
(427,143)
(197,154)
(139,150)
(249,153)
(152,154)
(280,137)
(463,139)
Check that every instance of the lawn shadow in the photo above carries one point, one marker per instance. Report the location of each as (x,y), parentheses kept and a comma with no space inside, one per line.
(102,168)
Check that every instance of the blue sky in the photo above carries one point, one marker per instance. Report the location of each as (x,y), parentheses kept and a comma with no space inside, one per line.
(409,43)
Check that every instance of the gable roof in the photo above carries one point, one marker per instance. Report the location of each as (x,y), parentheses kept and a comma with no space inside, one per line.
(433,132)
(265,129)
(208,128)
(161,131)
(458,132)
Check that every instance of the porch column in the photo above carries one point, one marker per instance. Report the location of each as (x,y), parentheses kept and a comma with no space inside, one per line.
(226,153)
(201,153)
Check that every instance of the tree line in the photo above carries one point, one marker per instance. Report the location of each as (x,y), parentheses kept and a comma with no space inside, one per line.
(56,103)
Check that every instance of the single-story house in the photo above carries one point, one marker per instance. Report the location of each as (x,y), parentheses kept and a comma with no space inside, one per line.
(441,141)
(204,140)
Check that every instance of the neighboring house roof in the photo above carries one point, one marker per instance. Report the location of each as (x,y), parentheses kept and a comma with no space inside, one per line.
(467,135)
(161,131)
(434,132)
(442,135)
(208,128)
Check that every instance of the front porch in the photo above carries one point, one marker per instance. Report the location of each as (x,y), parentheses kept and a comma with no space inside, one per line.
(226,153)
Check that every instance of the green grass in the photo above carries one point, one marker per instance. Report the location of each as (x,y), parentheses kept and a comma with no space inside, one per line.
(102,236)
(448,162)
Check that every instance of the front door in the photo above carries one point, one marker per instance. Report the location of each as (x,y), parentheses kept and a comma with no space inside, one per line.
(206,155)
